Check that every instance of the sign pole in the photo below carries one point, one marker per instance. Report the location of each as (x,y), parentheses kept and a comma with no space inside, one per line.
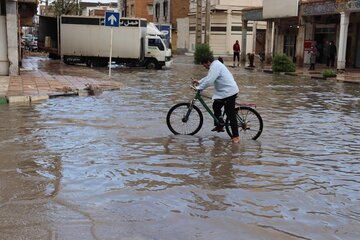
(111,47)
(112,19)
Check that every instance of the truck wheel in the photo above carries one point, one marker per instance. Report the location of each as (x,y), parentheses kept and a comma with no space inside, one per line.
(89,63)
(152,64)
(67,61)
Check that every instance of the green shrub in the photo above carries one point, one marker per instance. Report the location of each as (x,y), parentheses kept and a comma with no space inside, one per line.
(202,51)
(3,100)
(282,63)
(328,73)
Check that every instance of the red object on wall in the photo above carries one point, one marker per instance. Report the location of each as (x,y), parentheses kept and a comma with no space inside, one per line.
(307,45)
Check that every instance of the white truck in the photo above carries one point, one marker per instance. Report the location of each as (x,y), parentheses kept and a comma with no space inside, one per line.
(87,40)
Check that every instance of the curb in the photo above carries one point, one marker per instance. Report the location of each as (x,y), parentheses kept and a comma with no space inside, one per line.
(318,77)
(268,71)
(68,94)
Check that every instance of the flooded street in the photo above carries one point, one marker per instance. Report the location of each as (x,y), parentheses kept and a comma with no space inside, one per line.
(107,167)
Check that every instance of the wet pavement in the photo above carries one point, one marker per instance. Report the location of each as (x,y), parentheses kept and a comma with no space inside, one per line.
(107,167)
(41,78)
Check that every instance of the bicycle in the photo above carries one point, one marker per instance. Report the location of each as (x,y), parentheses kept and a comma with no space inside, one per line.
(189,118)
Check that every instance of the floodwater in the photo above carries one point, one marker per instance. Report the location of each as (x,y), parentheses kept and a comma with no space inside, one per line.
(107,167)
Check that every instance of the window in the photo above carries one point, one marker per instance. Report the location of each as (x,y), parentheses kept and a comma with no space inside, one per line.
(156,43)
(165,8)
(132,10)
(157,11)
(2,8)
(150,9)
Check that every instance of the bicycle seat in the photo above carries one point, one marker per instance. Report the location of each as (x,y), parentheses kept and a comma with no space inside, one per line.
(246,104)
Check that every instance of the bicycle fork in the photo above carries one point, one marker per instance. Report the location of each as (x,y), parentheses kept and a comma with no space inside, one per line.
(187,115)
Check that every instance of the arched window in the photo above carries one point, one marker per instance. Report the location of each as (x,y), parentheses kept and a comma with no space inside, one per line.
(166,9)
(157,11)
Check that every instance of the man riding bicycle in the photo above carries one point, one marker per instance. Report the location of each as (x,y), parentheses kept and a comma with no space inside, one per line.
(225,93)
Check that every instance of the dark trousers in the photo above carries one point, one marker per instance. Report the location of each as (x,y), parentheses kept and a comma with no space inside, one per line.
(330,61)
(229,104)
(236,56)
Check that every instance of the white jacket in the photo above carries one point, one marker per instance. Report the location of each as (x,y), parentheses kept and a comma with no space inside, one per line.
(222,79)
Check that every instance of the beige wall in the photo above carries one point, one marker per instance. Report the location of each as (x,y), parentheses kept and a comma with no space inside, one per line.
(280,8)
(223,4)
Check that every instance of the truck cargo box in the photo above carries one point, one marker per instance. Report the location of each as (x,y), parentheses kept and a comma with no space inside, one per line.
(88,37)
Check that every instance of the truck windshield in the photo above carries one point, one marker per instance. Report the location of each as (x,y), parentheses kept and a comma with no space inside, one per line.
(156,43)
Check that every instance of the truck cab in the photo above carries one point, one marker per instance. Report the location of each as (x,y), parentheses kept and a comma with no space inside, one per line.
(157,53)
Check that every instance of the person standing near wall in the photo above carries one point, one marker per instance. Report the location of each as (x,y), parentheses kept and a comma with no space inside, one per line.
(236,49)
(332,54)
(313,54)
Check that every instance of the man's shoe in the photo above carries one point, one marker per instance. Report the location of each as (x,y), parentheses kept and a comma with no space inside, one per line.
(236,139)
(218,129)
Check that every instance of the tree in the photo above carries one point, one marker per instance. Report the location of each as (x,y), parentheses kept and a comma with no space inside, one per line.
(65,7)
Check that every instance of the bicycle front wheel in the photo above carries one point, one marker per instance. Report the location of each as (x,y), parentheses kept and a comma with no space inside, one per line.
(182,120)
(249,122)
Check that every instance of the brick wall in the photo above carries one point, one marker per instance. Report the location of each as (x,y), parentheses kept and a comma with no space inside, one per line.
(179,9)
(141,9)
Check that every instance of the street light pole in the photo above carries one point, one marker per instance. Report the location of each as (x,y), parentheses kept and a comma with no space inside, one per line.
(198,29)
(120,6)
(207,22)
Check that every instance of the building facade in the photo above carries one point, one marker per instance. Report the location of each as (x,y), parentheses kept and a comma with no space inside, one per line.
(225,26)
(13,15)
(140,9)
(309,23)
(337,21)
(166,13)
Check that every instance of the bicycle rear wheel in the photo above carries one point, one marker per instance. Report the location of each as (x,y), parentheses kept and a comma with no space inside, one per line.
(249,122)
(179,123)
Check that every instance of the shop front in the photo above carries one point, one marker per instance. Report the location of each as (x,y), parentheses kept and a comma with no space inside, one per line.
(334,22)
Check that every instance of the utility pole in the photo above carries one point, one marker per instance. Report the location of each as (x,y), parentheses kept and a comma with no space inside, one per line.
(207,22)
(198,29)
(120,6)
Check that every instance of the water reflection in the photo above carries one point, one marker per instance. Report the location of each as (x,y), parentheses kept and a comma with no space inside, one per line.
(106,166)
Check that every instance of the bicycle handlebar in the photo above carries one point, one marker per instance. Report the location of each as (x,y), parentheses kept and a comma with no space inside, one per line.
(193,88)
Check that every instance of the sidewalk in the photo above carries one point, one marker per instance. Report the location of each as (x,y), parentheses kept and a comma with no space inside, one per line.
(350,76)
(35,83)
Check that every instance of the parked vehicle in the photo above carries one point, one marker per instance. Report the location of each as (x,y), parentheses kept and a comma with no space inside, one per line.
(87,40)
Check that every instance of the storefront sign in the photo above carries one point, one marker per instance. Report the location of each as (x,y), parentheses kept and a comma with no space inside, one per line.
(253,15)
(275,8)
(338,6)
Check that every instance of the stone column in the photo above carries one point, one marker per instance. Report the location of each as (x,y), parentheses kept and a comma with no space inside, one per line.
(300,39)
(243,41)
(344,25)
(12,37)
(4,62)
(268,43)
(254,30)
(228,32)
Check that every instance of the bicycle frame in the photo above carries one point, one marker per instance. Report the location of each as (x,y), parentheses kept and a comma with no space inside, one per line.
(203,103)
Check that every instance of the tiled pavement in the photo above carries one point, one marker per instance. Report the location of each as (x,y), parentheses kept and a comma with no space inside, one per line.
(44,77)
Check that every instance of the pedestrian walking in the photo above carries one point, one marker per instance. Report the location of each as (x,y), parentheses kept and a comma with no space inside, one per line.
(236,49)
